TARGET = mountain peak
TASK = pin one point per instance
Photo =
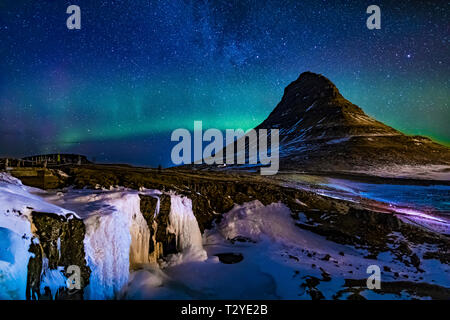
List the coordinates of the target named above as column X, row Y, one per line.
column 319, row 128
column 314, row 85
column 312, row 95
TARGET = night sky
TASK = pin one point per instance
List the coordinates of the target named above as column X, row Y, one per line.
column 137, row 70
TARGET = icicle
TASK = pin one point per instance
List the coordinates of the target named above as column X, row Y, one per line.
column 116, row 239
column 185, row 227
column 158, row 203
column 53, row 279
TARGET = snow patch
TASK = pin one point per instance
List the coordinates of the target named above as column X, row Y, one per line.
column 16, row 206
column 334, row 141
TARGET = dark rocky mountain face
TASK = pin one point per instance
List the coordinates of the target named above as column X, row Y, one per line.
column 321, row 130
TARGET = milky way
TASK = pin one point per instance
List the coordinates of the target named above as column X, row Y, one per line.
column 137, row 70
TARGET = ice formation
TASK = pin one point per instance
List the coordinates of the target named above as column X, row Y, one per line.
column 53, row 279
column 16, row 205
column 117, row 237
column 185, row 227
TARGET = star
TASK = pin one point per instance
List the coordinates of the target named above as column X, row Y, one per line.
column 137, row 70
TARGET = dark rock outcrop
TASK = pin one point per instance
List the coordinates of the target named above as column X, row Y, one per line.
column 59, row 240
column 230, row 258
column 162, row 242
column 399, row 288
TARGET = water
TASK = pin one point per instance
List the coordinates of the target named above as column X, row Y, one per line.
column 428, row 206
column 434, row 198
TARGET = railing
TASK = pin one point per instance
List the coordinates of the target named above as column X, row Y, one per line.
column 17, row 163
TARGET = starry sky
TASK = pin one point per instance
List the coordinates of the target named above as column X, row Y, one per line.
column 137, row 70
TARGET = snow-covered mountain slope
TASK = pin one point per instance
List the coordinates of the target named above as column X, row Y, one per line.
column 320, row 130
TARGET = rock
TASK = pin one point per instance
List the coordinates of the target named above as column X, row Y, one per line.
column 326, row 257
column 162, row 242
column 293, row 257
column 61, row 241
column 356, row 296
column 241, row 239
column 310, row 286
column 230, row 258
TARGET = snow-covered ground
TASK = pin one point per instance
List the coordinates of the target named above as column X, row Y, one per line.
column 116, row 241
column 280, row 260
column 16, row 205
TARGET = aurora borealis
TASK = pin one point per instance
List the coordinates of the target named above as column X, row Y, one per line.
column 137, row 70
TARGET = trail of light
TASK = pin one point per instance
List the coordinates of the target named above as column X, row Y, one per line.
column 419, row 214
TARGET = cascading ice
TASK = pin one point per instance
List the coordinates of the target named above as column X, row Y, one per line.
column 184, row 225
